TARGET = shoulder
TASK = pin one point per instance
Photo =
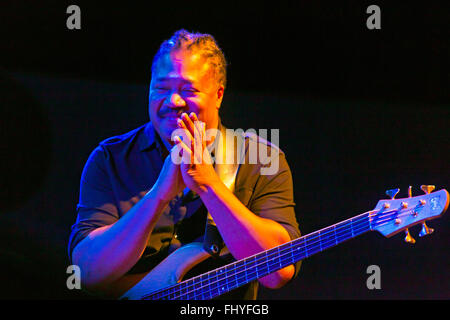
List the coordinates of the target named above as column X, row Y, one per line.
column 266, row 156
column 252, row 139
column 119, row 145
column 259, row 139
column 262, row 160
column 122, row 139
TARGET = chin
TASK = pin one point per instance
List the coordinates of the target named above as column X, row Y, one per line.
column 165, row 130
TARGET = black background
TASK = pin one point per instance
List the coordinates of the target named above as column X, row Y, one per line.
column 359, row 111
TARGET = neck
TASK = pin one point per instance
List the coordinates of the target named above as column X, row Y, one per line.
column 168, row 144
column 234, row 275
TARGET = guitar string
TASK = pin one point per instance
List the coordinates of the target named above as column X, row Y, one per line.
column 241, row 274
column 283, row 258
column 310, row 246
column 310, row 236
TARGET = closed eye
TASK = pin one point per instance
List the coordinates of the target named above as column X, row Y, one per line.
column 190, row 89
column 189, row 92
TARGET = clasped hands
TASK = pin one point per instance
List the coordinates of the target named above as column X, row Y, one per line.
column 189, row 163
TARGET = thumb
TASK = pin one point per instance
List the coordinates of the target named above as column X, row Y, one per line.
column 176, row 153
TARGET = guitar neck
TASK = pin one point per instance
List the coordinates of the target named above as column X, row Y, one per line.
column 224, row 279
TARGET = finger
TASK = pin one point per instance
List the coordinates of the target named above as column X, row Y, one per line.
column 182, row 125
column 197, row 124
column 202, row 129
column 199, row 129
column 193, row 117
column 199, row 144
column 188, row 123
column 186, row 151
column 206, row 153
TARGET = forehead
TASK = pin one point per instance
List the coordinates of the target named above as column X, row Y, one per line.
column 181, row 64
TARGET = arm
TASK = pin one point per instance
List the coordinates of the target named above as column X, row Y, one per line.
column 244, row 232
column 108, row 252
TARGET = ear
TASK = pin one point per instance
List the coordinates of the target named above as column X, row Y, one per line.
column 219, row 95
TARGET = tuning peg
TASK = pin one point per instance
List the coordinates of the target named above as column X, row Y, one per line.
column 425, row 230
column 427, row 188
column 408, row 237
column 392, row 193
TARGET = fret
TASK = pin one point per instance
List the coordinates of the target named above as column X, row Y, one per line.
column 292, row 254
column 199, row 284
column 279, row 260
column 304, row 247
column 227, row 285
column 329, row 241
column 183, row 289
column 242, row 276
column 214, row 292
column 311, row 245
column 245, row 271
column 263, row 267
column 206, row 289
column 171, row 296
column 252, row 270
column 256, row 269
column 320, row 242
column 223, row 285
column 364, row 226
column 344, row 232
column 351, row 227
column 233, row 280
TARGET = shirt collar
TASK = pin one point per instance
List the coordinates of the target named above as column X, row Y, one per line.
column 148, row 138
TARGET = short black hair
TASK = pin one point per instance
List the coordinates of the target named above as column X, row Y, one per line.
column 203, row 43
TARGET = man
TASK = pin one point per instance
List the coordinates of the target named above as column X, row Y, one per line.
column 137, row 205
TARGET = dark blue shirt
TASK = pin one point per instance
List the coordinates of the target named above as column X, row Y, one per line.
column 122, row 169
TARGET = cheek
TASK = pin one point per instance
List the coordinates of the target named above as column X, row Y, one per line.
column 194, row 106
column 154, row 105
column 207, row 110
column 199, row 105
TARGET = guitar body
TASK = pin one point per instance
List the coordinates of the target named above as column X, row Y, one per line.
column 170, row 271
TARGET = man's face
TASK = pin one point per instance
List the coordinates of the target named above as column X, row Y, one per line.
column 183, row 81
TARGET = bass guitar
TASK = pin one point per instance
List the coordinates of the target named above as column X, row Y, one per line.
column 389, row 217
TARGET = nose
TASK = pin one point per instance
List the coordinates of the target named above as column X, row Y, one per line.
column 176, row 101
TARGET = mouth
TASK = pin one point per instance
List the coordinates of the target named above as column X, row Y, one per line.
column 171, row 116
column 171, row 120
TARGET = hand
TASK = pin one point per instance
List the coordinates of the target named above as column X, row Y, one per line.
column 170, row 181
column 198, row 173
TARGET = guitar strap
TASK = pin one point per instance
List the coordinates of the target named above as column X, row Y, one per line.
column 226, row 165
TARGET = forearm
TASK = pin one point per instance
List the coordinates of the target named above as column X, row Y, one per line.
column 245, row 233
column 107, row 253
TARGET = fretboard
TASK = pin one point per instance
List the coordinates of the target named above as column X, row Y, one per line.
column 224, row 279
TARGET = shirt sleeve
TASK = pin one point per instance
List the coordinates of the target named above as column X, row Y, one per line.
column 273, row 199
column 96, row 206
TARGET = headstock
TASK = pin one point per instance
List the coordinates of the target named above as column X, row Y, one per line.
column 395, row 215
